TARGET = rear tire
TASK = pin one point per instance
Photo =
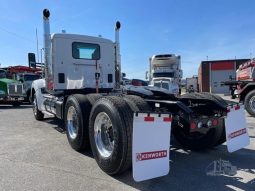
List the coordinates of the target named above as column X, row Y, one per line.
column 137, row 103
column 195, row 141
column 37, row 113
column 222, row 137
column 249, row 103
column 209, row 96
column 219, row 136
column 216, row 98
column 225, row 103
column 77, row 113
column 16, row 104
column 110, row 133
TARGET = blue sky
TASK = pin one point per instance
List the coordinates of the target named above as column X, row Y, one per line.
column 194, row 29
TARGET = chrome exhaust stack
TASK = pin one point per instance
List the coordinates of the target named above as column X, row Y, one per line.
column 118, row 74
column 47, row 50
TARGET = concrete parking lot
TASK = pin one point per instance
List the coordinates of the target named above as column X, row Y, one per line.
column 36, row 156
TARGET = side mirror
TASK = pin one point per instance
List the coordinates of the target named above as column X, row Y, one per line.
column 123, row 75
column 31, row 60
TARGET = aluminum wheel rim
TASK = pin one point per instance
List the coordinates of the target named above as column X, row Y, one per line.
column 103, row 134
column 72, row 122
column 252, row 103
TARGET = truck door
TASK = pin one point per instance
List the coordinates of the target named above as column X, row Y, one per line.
column 217, row 81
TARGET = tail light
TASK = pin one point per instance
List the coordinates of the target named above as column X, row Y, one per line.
column 193, row 125
column 215, row 122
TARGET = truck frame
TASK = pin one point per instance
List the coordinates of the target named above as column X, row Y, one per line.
column 82, row 86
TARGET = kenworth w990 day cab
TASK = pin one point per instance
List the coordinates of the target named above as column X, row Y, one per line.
column 124, row 126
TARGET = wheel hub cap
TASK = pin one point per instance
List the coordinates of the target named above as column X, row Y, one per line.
column 103, row 134
column 72, row 122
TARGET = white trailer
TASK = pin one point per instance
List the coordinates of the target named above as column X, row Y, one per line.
column 124, row 126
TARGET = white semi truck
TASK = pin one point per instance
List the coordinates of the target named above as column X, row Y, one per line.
column 123, row 126
column 165, row 72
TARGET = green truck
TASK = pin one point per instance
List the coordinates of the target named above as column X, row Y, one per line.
column 11, row 91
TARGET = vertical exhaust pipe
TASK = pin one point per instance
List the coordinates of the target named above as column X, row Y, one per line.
column 47, row 50
column 118, row 75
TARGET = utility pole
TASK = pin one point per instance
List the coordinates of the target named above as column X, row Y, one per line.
column 37, row 46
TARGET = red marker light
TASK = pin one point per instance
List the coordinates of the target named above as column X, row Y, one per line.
column 215, row 122
column 193, row 125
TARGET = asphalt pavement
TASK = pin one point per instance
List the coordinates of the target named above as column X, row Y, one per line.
column 35, row 155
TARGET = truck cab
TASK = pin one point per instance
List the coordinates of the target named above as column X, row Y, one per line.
column 11, row 92
column 82, row 86
column 2, row 73
column 27, row 79
column 166, row 83
column 165, row 72
column 76, row 61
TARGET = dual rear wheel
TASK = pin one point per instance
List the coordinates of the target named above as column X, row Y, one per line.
column 197, row 141
column 105, row 124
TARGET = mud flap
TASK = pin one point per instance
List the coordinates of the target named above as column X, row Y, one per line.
column 236, row 128
column 151, row 142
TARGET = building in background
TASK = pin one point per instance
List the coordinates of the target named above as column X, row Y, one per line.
column 212, row 74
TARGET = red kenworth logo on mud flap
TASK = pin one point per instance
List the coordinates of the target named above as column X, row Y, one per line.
column 151, row 155
column 237, row 133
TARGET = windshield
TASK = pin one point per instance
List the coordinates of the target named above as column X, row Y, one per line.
column 164, row 85
column 164, row 74
column 31, row 77
column 2, row 74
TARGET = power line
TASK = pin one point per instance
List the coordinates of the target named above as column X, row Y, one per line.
column 17, row 35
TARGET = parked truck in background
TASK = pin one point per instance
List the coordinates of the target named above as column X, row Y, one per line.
column 192, row 84
column 244, row 86
column 82, row 86
column 165, row 72
column 26, row 79
column 22, row 75
column 11, row 91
